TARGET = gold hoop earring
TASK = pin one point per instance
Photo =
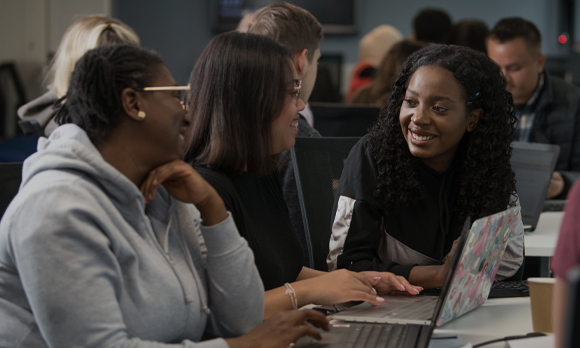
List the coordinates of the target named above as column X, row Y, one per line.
column 141, row 114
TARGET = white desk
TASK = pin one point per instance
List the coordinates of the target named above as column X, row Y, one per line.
column 496, row 318
column 542, row 242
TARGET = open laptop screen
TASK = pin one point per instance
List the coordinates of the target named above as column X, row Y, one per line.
column 533, row 165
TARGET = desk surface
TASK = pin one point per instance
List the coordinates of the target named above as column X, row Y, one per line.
column 496, row 318
column 542, row 242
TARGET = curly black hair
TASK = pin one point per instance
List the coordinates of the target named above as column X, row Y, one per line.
column 486, row 179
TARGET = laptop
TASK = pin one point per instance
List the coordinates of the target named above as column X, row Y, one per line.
column 533, row 164
column 467, row 284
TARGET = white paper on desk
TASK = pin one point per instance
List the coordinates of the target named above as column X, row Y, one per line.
column 534, row 342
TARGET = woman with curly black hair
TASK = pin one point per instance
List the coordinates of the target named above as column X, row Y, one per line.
column 439, row 152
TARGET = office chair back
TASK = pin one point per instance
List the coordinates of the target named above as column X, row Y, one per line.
column 318, row 165
column 12, row 96
column 10, row 179
column 343, row 120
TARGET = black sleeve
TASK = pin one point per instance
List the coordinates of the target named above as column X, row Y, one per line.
column 357, row 216
column 224, row 187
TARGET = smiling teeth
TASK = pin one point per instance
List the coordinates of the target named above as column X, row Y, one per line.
column 181, row 137
column 418, row 137
column 294, row 124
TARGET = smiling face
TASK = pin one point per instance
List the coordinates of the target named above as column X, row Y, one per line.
column 285, row 127
column 434, row 116
column 165, row 124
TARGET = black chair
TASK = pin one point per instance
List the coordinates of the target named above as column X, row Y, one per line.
column 318, row 165
column 12, row 96
column 10, row 179
column 343, row 120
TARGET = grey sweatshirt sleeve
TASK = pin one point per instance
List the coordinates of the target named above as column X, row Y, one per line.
column 70, row 274
column 236, row 292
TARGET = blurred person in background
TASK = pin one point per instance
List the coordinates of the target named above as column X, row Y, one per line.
column 372, row 49
column 247, row 18
column 379, row 91
column 431, row 25
column 470, row 33
column 547, row 108
column 84, row 34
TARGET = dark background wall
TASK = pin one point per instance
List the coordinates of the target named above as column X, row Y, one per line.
column 180, row 29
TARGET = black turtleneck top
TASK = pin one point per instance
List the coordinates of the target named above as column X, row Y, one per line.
column 261, row 216
column 365, row 237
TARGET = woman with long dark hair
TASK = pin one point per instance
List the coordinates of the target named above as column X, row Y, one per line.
column 439, row 152
column 244, row 111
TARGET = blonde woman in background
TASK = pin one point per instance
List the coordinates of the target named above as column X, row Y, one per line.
column 84, row 34
column 379, row 90
column 371, row 50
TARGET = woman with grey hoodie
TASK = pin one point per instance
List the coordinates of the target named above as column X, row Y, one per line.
column 84, row 34
column 114, row 241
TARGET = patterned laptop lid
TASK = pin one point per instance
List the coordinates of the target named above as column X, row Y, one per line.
column 479, row 264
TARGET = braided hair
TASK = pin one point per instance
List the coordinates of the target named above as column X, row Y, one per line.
column 93, row 100
column 486, row 178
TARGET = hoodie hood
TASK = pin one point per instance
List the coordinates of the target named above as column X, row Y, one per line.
column 42, row 110
column 69, row 149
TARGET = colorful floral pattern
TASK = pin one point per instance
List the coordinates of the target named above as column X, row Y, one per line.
column 479, row 264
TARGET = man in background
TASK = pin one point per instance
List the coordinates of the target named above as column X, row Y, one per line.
column 547, row 107
column 300, row 32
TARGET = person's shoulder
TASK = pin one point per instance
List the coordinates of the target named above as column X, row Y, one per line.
column 360, row 158
column 218, row 179
column 210, row 174
column 305, row 129
column 562, row 91
column 363, row 146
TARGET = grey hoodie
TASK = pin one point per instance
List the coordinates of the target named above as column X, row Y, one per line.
column 85, row 263
column 42, row 110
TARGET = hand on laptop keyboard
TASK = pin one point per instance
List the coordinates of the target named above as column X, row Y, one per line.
column 283, row 329
column 387, row 283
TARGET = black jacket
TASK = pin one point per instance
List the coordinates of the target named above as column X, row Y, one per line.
column 365, row 237
column 557, row 121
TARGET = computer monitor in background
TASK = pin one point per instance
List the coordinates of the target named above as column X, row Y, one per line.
column 533, row 164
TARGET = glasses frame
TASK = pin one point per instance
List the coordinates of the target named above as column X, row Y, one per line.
column 296, row 94
column 184, row 100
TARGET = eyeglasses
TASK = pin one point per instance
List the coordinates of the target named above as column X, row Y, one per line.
column 297, row 86
column 183, row 95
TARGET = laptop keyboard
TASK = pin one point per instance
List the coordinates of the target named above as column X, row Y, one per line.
column 423, row 310
column 384, row 336
column 517, row 288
